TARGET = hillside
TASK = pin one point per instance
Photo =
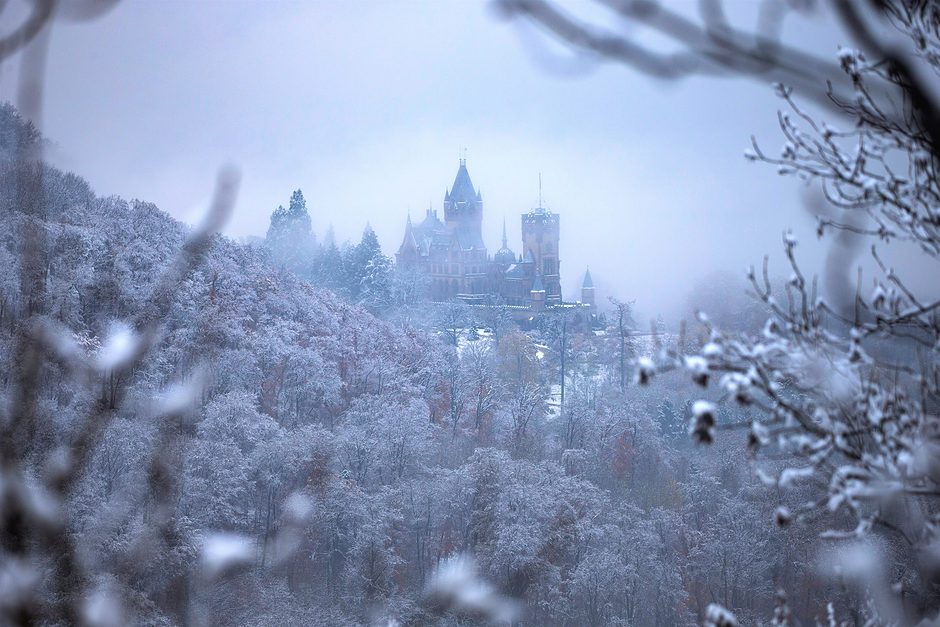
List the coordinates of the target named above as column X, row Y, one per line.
column 319, row 464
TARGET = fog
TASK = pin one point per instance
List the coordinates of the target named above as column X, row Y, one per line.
column 367, row 107
column 261, row 429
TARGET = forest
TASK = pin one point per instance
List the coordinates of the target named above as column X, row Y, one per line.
column 205, row 431
column 352, row 455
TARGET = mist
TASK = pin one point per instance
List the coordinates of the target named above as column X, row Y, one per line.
column 517, row 312
column 368, row 107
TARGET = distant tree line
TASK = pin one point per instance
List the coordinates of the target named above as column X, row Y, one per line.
column 277, row 454
column 361, row 273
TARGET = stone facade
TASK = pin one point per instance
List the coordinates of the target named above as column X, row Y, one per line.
column 454, row 256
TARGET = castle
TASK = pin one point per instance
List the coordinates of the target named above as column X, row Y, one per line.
column 453, row 255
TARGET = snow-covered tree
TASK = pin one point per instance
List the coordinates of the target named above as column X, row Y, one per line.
column 843, row 381
column 290, row 236
column 364, row 262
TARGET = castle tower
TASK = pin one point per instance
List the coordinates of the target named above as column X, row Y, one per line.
column 537, row 293
column 587, row 290
column 463, row 206
column 408, row 251
column 540, row 235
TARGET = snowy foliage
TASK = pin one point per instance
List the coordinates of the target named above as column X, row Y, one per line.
column 266, row 452
column 290, row 236
column 193, row 435
column 846, row 388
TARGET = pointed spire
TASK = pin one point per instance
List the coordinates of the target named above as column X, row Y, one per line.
column 462, row 190
column 537, row 285
column 588, row 282
column 408, row 243
column 504, row 255
column 540, row 190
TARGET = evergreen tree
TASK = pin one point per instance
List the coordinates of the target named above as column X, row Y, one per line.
column 328, row 270
column 375, row 287
column 290, row 237
column 368, row 247
column 360, row 261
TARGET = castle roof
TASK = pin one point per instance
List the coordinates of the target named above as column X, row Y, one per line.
column 430, row 223
column 504, row 256
column 462, row 190
column 409, row 242
column 441, row 239
column 587, row 279
column 469, row 238
column 537, row 285
column 515, row 271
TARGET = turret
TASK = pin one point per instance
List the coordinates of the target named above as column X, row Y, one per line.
column 504, row 256
column 537, row 293
column 463, row 205
column 408, row 251
column 540, row 235
column 587, row 290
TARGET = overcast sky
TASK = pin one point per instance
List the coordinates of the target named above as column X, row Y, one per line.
column 366, row 107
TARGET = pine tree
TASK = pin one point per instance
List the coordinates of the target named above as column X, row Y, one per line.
column 290, row 237
column 375, row 287
column 328, row 270
column 357, row 260
column 369, row 247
